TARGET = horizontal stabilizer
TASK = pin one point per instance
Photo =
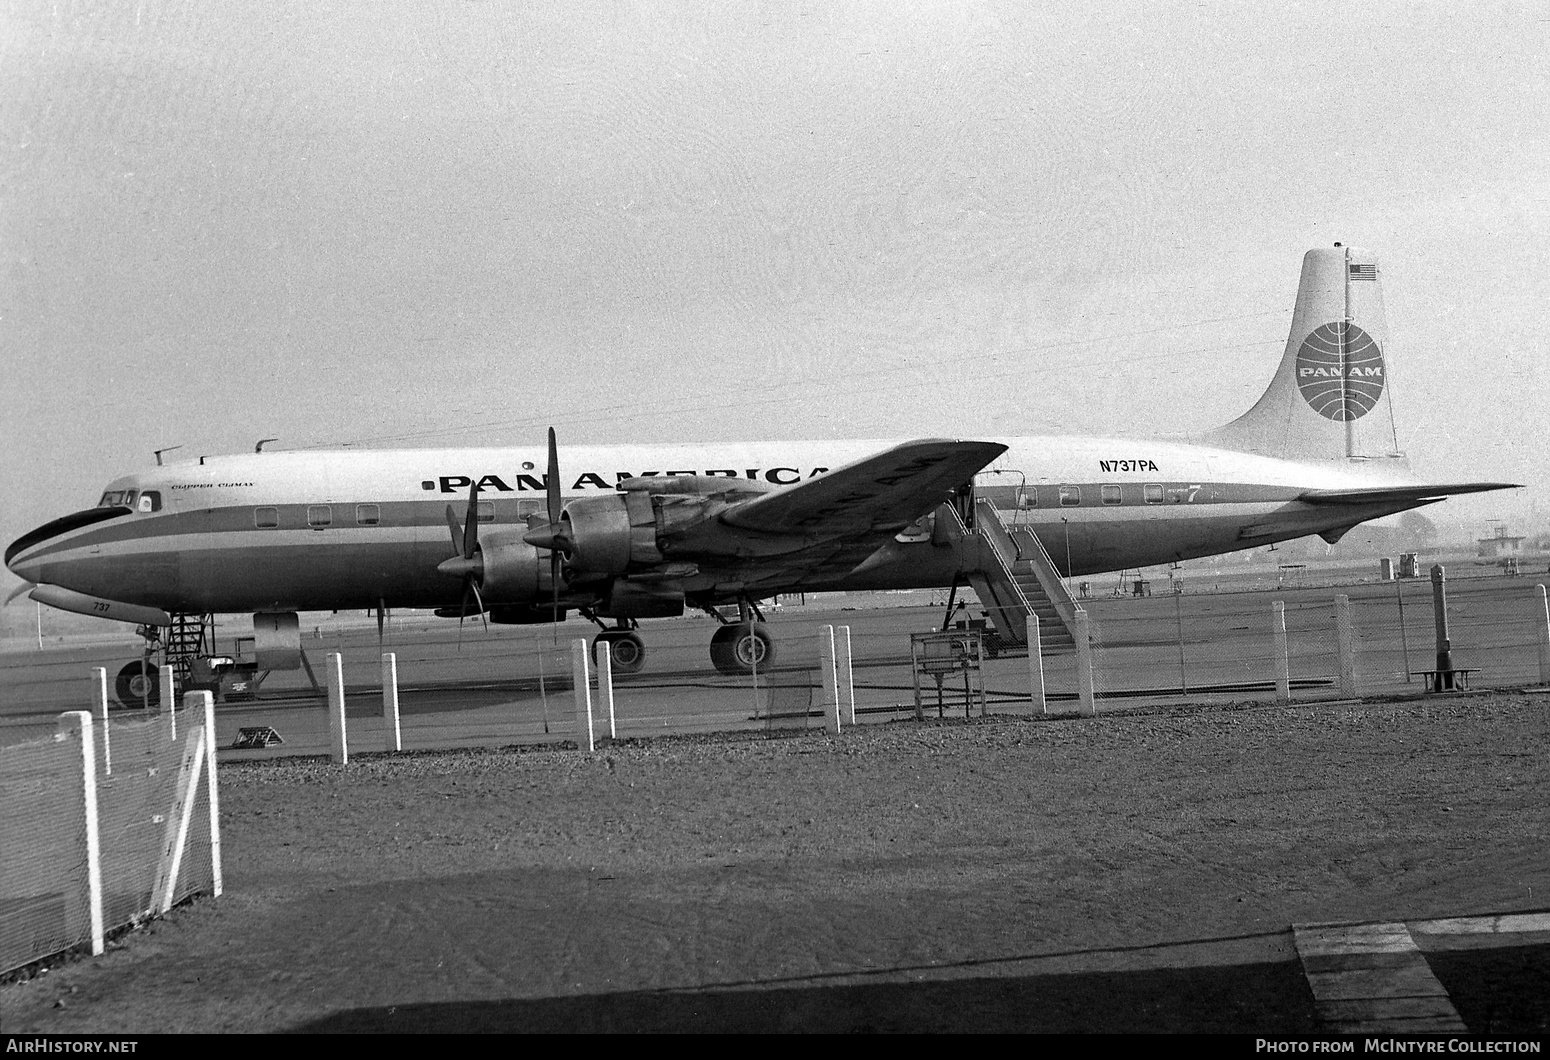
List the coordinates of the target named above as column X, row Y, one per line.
column 1386, row 494
column 887, row 491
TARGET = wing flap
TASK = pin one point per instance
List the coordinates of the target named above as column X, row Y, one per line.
column 886, row 491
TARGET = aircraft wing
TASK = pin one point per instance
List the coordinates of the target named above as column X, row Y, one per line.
column 1388, row 494
column 881, row 493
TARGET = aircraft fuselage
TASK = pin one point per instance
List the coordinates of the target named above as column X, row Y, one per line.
column 352, row 529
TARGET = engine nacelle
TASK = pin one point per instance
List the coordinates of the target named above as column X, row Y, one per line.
column 608, row 534
column 513, row 571
column 525, row 615
column 633, row 600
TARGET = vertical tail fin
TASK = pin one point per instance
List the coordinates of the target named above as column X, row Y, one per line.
column 1330, row 398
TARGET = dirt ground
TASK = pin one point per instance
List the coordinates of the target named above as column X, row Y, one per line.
column 1003, row 874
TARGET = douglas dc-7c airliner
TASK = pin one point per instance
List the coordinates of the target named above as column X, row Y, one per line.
column 644, row 531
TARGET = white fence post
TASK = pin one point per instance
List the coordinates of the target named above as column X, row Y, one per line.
column 831, row 699
column 1282, row 652
column 583, row 687
column 169, row 702
column 179, row 817
column 1036, row 665
column 394, row 734
column 204, row 703
column 845, row 673
column 79, row 721
column 1345, row 636
column 1542, row 621
column 1087, row 706
column 100, row 676
column 605, row 684
column 339, row 744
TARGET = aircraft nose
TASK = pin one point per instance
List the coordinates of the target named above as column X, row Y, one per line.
column 27, row 555
column 21, row 558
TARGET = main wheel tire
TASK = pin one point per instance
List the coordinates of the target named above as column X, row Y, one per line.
column 742, row 649
column 627, row 652
column 137, row 686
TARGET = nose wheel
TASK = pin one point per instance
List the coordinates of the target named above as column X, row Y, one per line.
column 742, row 648
column 137, row 686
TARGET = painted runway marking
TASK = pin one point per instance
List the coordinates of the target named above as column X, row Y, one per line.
column 1372, row 978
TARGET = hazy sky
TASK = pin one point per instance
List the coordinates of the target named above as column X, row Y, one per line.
column 446, row 223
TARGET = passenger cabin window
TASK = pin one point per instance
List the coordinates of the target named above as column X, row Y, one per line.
column 1070, row 496
column 319, row 516
column 1028, row 497
column 527, row 508
column 1110, row 494
column 367, row 515
column 487, row 511
column 1153, row 492
column 266, row 518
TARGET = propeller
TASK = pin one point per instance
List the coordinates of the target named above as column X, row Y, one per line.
column 552, row 489
column 467, row 562
column 552, row 536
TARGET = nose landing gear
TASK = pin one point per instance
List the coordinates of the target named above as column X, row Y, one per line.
column 137, row 686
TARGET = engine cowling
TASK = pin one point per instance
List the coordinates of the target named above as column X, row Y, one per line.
column 608, row 534
column 512, row 569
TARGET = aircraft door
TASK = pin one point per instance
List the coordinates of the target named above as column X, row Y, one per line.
column 963, row 500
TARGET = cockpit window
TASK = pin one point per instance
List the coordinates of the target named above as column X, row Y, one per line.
column 118, row 499
column 150, row 501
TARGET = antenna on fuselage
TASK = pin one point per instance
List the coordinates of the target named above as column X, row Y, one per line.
column 259, row 448
column 169, row 449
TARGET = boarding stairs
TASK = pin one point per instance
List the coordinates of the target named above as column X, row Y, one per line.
column 185, row 642
column 1013, row 576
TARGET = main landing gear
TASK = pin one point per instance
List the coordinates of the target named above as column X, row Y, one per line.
column 626, row 651
column 743, row 647
column 736, row 648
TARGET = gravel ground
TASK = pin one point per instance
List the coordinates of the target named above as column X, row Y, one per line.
column 1001, row 874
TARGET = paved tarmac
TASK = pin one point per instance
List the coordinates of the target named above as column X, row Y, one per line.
column 513, row 684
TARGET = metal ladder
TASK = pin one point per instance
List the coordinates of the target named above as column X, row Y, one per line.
column 186, row 641
column 1013, row 576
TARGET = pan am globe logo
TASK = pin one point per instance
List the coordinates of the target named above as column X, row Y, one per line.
column 1340, row 371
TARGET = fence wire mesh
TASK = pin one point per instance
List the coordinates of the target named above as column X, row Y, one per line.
column 514, row 684
column 44, row 898
column 137, row 765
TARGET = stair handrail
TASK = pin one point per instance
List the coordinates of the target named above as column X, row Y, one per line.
column 1007, row 622
column 1038, row 558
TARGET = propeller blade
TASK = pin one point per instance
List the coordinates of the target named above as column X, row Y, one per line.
column 552, row 481
column 473, row 587
column 457, row 530
column 554, row 587
column 463, row 612
column 471, row 527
